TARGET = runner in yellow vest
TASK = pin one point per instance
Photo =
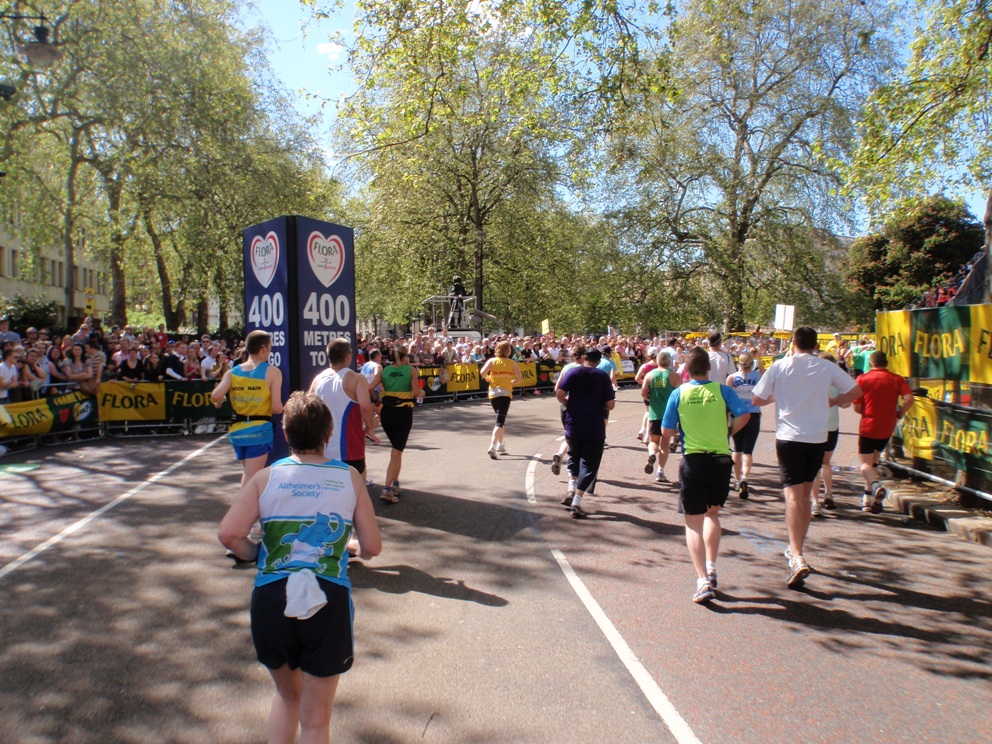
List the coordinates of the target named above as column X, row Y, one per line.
column 256, row 394
column 502, row 373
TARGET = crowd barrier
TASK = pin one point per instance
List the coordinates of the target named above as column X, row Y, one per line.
column 122, row 405
column 947, row 440
column 186, row 405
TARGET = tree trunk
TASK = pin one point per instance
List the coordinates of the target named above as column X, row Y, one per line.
column 202, row 316
column 988, row 247
column 733, row 286
column 163, row 273
column 118, row 301
column 69, row 228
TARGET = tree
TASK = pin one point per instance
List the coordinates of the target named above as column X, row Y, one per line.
column 932, row 124
column 468, row 111
column 922, row 244
column 159, row 134
column 767, row 93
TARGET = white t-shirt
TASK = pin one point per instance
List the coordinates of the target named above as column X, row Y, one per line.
column 800, row 387
column 721, row 366
column 8, row 373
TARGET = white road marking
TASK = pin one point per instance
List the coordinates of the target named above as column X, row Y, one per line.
column 76, row 526
column 529, row 482
column 659, row 701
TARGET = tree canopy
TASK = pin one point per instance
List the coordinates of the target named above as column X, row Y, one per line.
column 921, row 246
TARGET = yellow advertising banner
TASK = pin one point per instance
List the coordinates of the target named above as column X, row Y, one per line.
column 125, row 401
column 919, row 427
column 545, row 327
column 980, row 349
column 463, row 378
column 529, row 371
column 27, row 418
column 894, row 338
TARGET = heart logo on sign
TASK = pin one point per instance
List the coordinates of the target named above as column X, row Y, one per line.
column 265, row 257
column 326, row 257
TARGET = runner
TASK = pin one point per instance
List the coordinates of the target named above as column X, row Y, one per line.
column 301, row 610
column 400, row 387
column 372, row 371
column 642, row 372
column 880, row 410
column 502, row 373
column 742, row 444
column 346, row 394
column 585, row 392
column 256, row 394
column 578, row 355
column 656, row 389
column 799, row 385
column 826, row 473
column 700, row 408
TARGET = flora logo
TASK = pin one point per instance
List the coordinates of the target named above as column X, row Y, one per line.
column 326, row 257
column 265, row 257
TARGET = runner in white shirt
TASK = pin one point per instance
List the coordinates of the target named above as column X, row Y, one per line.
column 799, row 387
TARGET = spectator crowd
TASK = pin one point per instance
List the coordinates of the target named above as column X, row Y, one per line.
column 36, row 362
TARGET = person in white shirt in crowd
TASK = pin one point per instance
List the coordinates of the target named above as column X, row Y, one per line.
column 721, row 363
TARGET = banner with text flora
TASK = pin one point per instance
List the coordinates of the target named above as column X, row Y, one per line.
column 943, row 343
column 171, row 402
column 952, row 439
column 60, row 413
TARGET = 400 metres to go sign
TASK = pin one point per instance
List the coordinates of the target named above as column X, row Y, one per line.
column 327, row 310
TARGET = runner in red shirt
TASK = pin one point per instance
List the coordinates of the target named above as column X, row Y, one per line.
column 880, row 409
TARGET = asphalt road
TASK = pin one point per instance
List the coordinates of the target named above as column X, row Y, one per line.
column 491, row 616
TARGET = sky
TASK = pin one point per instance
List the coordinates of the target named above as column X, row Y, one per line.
column 303, row 57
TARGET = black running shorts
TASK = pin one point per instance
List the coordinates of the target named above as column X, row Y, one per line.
column 832, row 437
column 397, row 422
column 322, row 645
column 744, row 440
column 705, row 482
column 798, row 462
column 869, row 446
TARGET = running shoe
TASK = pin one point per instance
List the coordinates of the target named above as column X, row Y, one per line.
column 815, row 510
column 742, row 487
column 673, row 446
column 491, row 452
column 828, row 502
column 389, row 496
column 640, row 436
column 800, row 570
column 711, row 577
column 660, row 477
column 501, row 448
column 879, row 497
column 704, row 593
column 650, row 464
column 368, row 481
column 396, row 488
column 556, row 464
column 865, row 502
column 578, row 512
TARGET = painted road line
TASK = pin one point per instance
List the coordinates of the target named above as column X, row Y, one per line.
column 76, row 526
column 659, row 701
column 529, row 482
